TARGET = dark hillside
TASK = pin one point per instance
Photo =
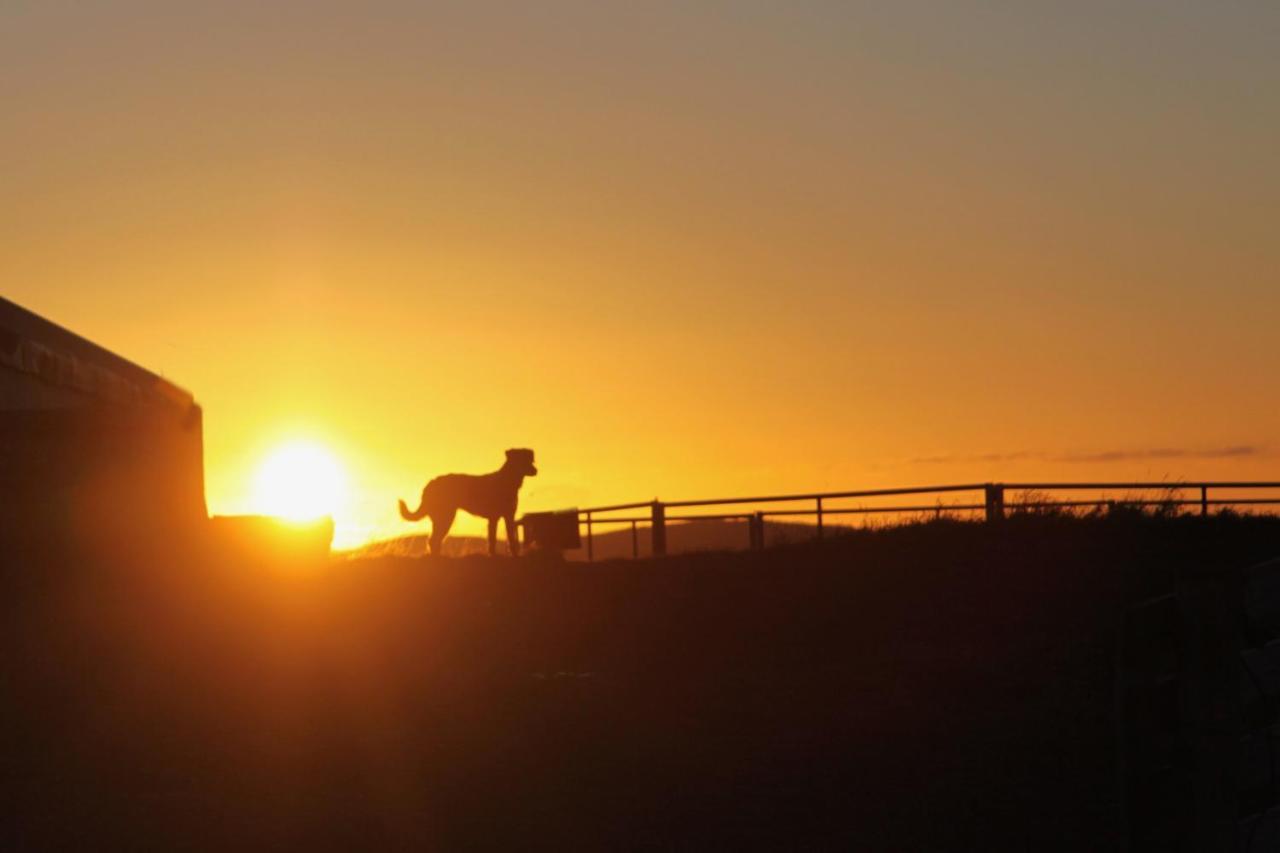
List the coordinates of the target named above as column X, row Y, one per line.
column 944, row 686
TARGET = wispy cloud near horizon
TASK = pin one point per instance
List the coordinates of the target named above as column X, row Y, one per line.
column 1235, row 451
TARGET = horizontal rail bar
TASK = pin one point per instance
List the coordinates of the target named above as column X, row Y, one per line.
column 808, row 496
column 967, row 487
column 866, row 493
column 1209, row 484
column 646, row 519
column 1013, row 505
column 874, row 509
column 582, row 519
column 1122, row 502
column 1008, row 506
column 1229, row 502
column 617, row 507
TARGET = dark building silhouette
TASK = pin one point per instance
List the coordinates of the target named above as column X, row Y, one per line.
column 89, row 442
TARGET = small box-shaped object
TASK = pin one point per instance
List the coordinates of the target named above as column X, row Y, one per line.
column 552, row 531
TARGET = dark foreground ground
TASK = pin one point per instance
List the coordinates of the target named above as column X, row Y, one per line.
column 940, row 687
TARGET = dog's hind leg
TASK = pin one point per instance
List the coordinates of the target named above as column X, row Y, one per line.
column 440, row 524
column 493, row 537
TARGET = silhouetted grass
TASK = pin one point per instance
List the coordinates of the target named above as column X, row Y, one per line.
column 933, row 686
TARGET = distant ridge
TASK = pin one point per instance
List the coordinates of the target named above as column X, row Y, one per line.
column 611, row 541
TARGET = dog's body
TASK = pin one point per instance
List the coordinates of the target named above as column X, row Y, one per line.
column 489, row 496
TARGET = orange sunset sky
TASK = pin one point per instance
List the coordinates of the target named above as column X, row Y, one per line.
column 679, row 249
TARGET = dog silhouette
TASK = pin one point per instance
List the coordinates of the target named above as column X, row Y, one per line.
column 489, row 496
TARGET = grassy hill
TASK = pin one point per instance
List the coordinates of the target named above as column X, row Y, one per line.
column 943, row 686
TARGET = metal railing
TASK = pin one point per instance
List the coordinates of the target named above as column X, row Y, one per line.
column 988, row 500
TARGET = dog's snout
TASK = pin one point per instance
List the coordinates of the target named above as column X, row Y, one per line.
column 533, row 471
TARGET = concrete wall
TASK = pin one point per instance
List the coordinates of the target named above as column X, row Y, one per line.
column 94, row 469
column 89, row 442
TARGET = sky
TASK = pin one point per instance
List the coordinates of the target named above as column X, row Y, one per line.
column 681, row 250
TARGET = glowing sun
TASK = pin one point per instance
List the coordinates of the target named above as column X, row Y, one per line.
column 299, row 481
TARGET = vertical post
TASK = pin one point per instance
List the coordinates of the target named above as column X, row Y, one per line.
column 755, row 525
column 659, row 529
column 819, row 518
column 1204, row 500
column 635, row 541
column 995, row 502
column 591, row 555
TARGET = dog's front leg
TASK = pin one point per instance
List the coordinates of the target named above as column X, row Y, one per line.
column 493, row 537
column 513, row 535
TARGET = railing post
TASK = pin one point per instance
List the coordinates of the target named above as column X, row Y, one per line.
column 995, row 502
column 819, row 518
column 590, row 541
column 635, row 541
column 755, row 530
column 659, row 529
column 1204, row 500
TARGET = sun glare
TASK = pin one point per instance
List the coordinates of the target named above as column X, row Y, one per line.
column 299, row 482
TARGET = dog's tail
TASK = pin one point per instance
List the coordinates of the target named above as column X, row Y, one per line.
column 417, row 514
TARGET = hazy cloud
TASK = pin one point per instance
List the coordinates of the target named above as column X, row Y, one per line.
column 1229, row 452
column 1163, row 453
column 981, row 457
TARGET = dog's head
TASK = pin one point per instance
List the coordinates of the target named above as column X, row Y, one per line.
column 521, row 460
